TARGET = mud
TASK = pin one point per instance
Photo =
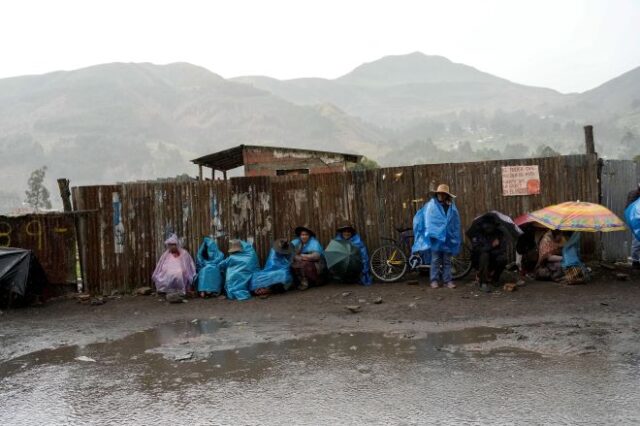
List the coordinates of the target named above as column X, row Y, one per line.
column 543, row 354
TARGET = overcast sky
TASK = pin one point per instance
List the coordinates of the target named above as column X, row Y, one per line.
column 563, row 44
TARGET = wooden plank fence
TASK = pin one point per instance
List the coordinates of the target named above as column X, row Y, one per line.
column 263, row 208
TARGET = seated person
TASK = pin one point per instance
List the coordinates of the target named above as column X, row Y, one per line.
column 549, row 258
column 276, row 276
column 348, row 233
column 209, row 279
column 308, row 262
column 238, row 269
column 575, row 272
column 175, row 270
column 527, row 251
column 488, row 254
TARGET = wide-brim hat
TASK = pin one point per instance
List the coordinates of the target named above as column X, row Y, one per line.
column 346, row 227
column 282, row 246
column 444, row 189
column 235, row 246
column 300, row 229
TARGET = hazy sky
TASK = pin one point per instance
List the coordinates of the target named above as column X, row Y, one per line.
column 567, row 45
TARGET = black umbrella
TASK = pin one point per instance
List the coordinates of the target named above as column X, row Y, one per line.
column 20, row 273
column 501, row 220
column 343, row 259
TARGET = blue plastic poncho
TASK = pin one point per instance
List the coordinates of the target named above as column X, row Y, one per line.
column 365, row 276
column 571, row 252
column 435, row 230
column 208, row 260
column 239, row 268
column 277, row 270
column 313, row 245
column 632, row 217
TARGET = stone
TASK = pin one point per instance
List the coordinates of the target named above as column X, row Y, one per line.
column 83, row 297
column 362, row 300
column 84, row 359
column 510, row 287
column 97, row 301
column 144, row 291
column 354, row 309
column 377, row 300
column 174, row 298
column 412, row 282
column 622, row 277
column 412, row 305
column 346, row 294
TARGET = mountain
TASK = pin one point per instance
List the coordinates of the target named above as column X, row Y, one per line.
column 399, row 90
column 124, row 121
column 127, row 121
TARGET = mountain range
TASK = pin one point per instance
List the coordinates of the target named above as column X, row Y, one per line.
column 128, row 121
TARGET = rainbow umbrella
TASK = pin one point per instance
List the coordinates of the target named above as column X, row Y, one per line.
column 578, row 216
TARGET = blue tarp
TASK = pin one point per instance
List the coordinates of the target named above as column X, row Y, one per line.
column 239, row 268
column 632, row 217
column 435, row 230
column 365, row 276
column 571, row 252
column 209, row 278
column 277, row 270
column 313, row 245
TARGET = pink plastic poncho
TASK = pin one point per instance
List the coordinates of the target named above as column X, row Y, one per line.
column 174, row 274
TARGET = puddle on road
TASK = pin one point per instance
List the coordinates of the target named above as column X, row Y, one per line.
column 167, row 350
column 394, row 377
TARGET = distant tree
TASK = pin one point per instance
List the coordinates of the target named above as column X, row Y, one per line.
column 637, row 158
column 37, row 194
column 365, row 164
column 546, row 151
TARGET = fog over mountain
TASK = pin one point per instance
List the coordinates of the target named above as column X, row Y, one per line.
column 127, row 121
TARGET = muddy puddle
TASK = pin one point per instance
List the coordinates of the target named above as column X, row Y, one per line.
column 181, row 373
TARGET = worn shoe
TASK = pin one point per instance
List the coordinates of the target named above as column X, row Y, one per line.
column 304, row 284
column 434, row 284
column 485, row 287
column 451, row 284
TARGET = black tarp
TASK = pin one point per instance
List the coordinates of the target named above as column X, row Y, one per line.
column 21, row 275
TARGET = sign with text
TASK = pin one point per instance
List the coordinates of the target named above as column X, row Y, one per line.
column 520, row 180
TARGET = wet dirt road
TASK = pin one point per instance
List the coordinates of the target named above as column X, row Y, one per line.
column 540, row 355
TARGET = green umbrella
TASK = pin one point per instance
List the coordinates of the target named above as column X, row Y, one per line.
column 343, row 260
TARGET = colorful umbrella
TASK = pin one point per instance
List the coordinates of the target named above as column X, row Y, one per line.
column 578, row 216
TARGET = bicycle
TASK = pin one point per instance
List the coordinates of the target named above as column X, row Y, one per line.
column 391, row 262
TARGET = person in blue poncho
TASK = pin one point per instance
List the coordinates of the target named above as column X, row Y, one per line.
column 632, row 214
column 348, row 233
column 437, row 232
column 276, row 275
column 575, row 272
column 308, row 264
column 238, row 269
column 209, row 278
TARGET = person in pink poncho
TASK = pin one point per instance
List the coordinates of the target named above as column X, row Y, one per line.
column 175, row 270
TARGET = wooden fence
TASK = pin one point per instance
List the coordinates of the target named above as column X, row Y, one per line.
column 125, row 236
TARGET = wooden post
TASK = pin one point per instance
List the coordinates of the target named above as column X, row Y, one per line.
column 200, row 171
column 224, row 174
column 588, row 139
column 213, row 174
column 65, row 194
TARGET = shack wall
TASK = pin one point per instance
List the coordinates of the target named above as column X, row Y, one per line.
column 267, row 161
column 260, row 209
column 51, row 236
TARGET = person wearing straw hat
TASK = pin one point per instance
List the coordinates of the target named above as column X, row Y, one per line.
column 238, row 269
column 442, row 234
column 276, row 276
column 308, row 262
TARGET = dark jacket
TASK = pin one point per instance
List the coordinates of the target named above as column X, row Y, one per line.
column 633, row 196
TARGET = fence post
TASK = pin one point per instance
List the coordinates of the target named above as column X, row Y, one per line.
column 65, row 194
column 588, row 139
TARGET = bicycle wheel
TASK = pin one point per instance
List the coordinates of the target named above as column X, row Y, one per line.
column 461, row 264
column 388, row 263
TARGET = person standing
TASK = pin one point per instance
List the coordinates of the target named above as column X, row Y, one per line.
column 442, row 235
column 633, row 196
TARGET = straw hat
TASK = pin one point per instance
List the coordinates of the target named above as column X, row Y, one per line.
column 300, row 229
column 444, row 189
column 346, row 227
column 282, row 246
column 235, row 246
